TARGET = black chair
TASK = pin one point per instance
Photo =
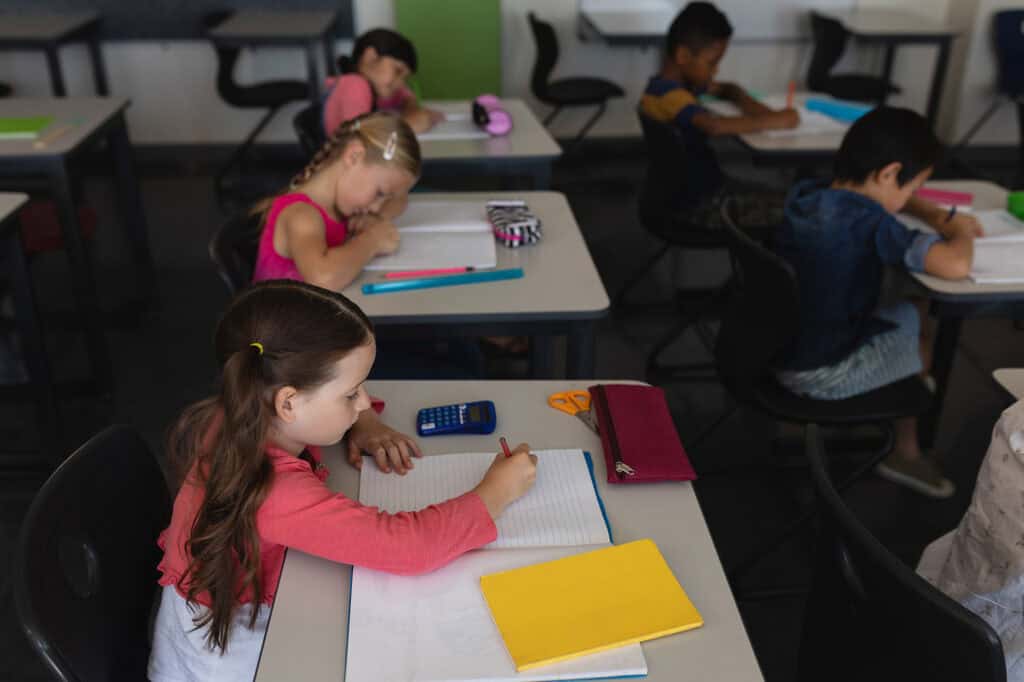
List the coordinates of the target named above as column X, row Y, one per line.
column 760, row 321
column 869, row 616
column 269, row 95
column 565, row 92
column 830, row 38
column 309, row 128
column 659, row 215
column 85, row 574
column 233, row 248
column 5, row 90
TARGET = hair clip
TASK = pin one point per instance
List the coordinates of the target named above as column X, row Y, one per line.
column 391, row 146
column 355, row 124
column 257, row 345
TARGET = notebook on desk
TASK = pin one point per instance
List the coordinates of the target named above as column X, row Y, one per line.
column 22, row 127
column 455, row 126
column 442, row 234
column 999, row 255
column 437, row 626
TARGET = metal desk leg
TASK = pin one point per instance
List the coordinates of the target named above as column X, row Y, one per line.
column 99, row 70
column 311, row 72
column 83, row 279
column 542, row 356
column 938, row 78
column 133, row 217
column 890, row 57
column 942, row 364
column 329, row 57
column 579, row 361
column 56, row 75
column 33, row 345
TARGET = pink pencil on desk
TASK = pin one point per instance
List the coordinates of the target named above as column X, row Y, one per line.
column 946, row 196
column 401, row 274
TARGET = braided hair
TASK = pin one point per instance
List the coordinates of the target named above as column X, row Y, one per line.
column 385, row 136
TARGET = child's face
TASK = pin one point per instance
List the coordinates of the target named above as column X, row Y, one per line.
column 890, row 193
column 322, row 416
column 386, row 74
column 365, row 186
column 698, row 68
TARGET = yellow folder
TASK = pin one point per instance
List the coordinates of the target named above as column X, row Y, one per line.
column 587, row 603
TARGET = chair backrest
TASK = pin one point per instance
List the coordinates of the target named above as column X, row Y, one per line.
column 878, row 610
column 1009, row 41
column 227, row 57
column 663, row 181
column 85, row 574
column 762, row 315
column 830, row 38
column 233, row 249
column 546, row 42
column 309, row 126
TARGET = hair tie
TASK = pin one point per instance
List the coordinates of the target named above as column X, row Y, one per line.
column 391, row 146
column 257, row 345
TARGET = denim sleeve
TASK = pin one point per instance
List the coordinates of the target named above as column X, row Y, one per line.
column 913, row 257
column 893, row 241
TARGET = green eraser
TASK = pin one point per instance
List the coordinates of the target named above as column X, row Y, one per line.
column 1015, row 204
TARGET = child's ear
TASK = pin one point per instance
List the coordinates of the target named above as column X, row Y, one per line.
column 890, row 173
column 284, row 404
column 681, row 55
column 370, row 54
column 354, row 153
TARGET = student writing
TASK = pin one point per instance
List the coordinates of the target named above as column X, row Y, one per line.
column 294, row 358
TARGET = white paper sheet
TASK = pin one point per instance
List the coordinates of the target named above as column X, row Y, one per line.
column 437, row 627
column 455, row 126
column 441, row 234
column 560, row 510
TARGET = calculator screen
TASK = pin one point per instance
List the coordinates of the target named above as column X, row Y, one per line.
column 474, row 413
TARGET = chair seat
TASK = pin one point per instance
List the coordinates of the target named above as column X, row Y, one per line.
column 858, row 87
column 905, row 398
column 580, row 91
column 268, row 94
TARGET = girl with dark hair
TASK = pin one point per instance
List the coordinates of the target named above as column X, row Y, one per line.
column 373, row 79
column 294, row 358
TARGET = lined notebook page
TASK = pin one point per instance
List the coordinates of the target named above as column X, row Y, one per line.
column 560, row 510
column 437, row 627
column 455, row 126
column 441, row 234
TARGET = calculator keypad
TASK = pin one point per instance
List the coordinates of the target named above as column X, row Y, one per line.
column 445, row 418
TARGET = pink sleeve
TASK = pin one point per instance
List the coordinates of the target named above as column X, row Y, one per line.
column 351, row 97
column 301, row 512
column 397, row 101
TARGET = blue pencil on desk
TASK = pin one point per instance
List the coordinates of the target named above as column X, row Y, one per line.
column 446, row 281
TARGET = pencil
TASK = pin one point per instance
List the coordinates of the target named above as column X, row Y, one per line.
column 791, row 91
column 51, row 135
column 504, row 446
column 400, row 274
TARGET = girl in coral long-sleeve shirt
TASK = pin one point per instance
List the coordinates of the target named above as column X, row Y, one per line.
column 294, row 360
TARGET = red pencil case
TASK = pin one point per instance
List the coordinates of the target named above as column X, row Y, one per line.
column 638, row 435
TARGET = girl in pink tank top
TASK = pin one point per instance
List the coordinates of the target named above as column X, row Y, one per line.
column 336, row 215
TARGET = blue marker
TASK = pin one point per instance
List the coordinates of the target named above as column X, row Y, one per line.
column 841, row 111
column 446, row 281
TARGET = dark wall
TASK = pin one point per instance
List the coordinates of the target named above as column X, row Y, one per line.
column 172, row 19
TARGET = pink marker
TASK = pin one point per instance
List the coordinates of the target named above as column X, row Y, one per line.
column 401, row 274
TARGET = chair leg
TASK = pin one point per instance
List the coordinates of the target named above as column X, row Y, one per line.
column 238, row 155
column 586, row 128
column 551, row 117
column 772, row 544
column 708, row 302
column 638, row 276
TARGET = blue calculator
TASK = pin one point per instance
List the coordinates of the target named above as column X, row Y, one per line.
column 476, row 417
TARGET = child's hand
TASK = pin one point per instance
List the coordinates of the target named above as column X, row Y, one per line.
column 384, row 236
column 358, row 223
column 963, row 223
column 508, row 479
column 784, row 118
column 435, row 116
column 390, row 449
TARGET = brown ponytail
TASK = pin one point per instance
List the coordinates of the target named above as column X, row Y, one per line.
column 302, row 330
column 385, row 136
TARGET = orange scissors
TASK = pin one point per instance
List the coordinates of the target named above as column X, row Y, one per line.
column 576, row 403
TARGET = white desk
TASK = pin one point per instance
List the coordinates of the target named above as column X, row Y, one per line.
column 48, row 31
column 769, row 148
column 643, row 23
column 561, row 292
column 529, row 149
column 891, row 28
column 307, row 635
column 90, row 119
column 952, row 301
column 1012, row 380
column 307, row 29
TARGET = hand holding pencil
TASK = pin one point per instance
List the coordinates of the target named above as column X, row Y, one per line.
column 509, row 477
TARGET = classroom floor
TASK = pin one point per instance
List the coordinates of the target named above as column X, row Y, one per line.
column 166, row 362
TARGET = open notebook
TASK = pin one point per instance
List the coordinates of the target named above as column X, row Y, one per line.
column 999, row 255
column 455, row 126
column 811, row 122
column 441, row 234
column 437, row 627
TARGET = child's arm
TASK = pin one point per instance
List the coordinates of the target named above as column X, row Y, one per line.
column 951, row 258
column 747, row 105
column 713, row 124
column 331, row 267
column 391, row 449
column 420, row 119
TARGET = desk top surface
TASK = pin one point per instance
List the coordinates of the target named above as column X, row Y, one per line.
column 307, row 635
column 561, row 281
column 872, row 22
column 74, row 120
column 529, row 138
column 44, row 27
column 265, row 25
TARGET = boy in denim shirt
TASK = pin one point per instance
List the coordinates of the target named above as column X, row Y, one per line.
column 696, row 43
column 839, row 236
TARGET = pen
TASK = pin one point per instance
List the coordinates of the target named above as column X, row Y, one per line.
column 399, row 274
column 952, row 212
column 504, row 446
column 789, row 94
